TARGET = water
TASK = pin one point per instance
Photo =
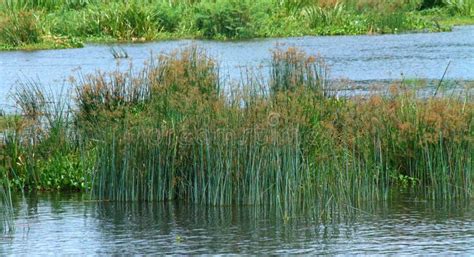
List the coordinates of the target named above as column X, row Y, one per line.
column 357, row 58
column 70, row 224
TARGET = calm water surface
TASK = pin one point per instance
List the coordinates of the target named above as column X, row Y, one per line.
column 70, row 224
column 358, row 58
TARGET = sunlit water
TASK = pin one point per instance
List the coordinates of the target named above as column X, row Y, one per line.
column 70, row 224
column 357, row 58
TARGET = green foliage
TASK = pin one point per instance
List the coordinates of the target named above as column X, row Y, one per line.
column 322, row 17
column 61, row 172
column 38, row 150
column 124, row 21
column 47, row 5
column 65, row 23
column 20, row 28
column 168, row 17
column 460, row 7
column 226, row 19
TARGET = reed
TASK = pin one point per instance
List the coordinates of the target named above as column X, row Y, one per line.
column 174, row 132
column 6, row 207
column 297, row 145
column 39, row 146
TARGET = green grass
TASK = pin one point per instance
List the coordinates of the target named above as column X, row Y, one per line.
column 170, row 132
column 33, row 25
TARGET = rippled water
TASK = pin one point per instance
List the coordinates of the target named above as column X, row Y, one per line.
column 359, row 58
column 69, row 224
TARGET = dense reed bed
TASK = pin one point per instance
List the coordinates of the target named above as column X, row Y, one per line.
column 174, row 132
column 68, row 23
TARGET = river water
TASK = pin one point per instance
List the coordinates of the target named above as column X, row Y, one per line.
column 70, row 224
column 356, row 58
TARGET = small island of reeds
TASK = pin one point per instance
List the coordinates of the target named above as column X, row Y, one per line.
column 174, row 131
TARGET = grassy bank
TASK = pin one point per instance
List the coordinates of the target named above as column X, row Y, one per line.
column 174, row 132
column 26, row 24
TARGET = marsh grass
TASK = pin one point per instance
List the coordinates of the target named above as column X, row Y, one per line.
column 67, row 23
column 19, row 28
column 460, row 7
column 39, row 146
column 186, row 140
column 173, row 132
column 49, row 5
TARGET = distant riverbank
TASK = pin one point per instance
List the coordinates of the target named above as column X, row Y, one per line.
column 30, row 25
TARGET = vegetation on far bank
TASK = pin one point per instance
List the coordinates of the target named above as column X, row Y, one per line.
column 27, row 24
column 174, row 132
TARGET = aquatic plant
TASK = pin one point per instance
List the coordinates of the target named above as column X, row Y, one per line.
column 118, row 53
column 292, row 69
column 295, row 145
column 39, row 146
column 6, row 207
column 173, row 131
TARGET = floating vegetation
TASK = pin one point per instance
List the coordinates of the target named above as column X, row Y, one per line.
column 118, row 53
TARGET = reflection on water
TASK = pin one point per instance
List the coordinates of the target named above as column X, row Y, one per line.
column 71, row 224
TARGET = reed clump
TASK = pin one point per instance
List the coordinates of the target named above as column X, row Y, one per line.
column 173, row 131
column 39, row 146
column 293, row 143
